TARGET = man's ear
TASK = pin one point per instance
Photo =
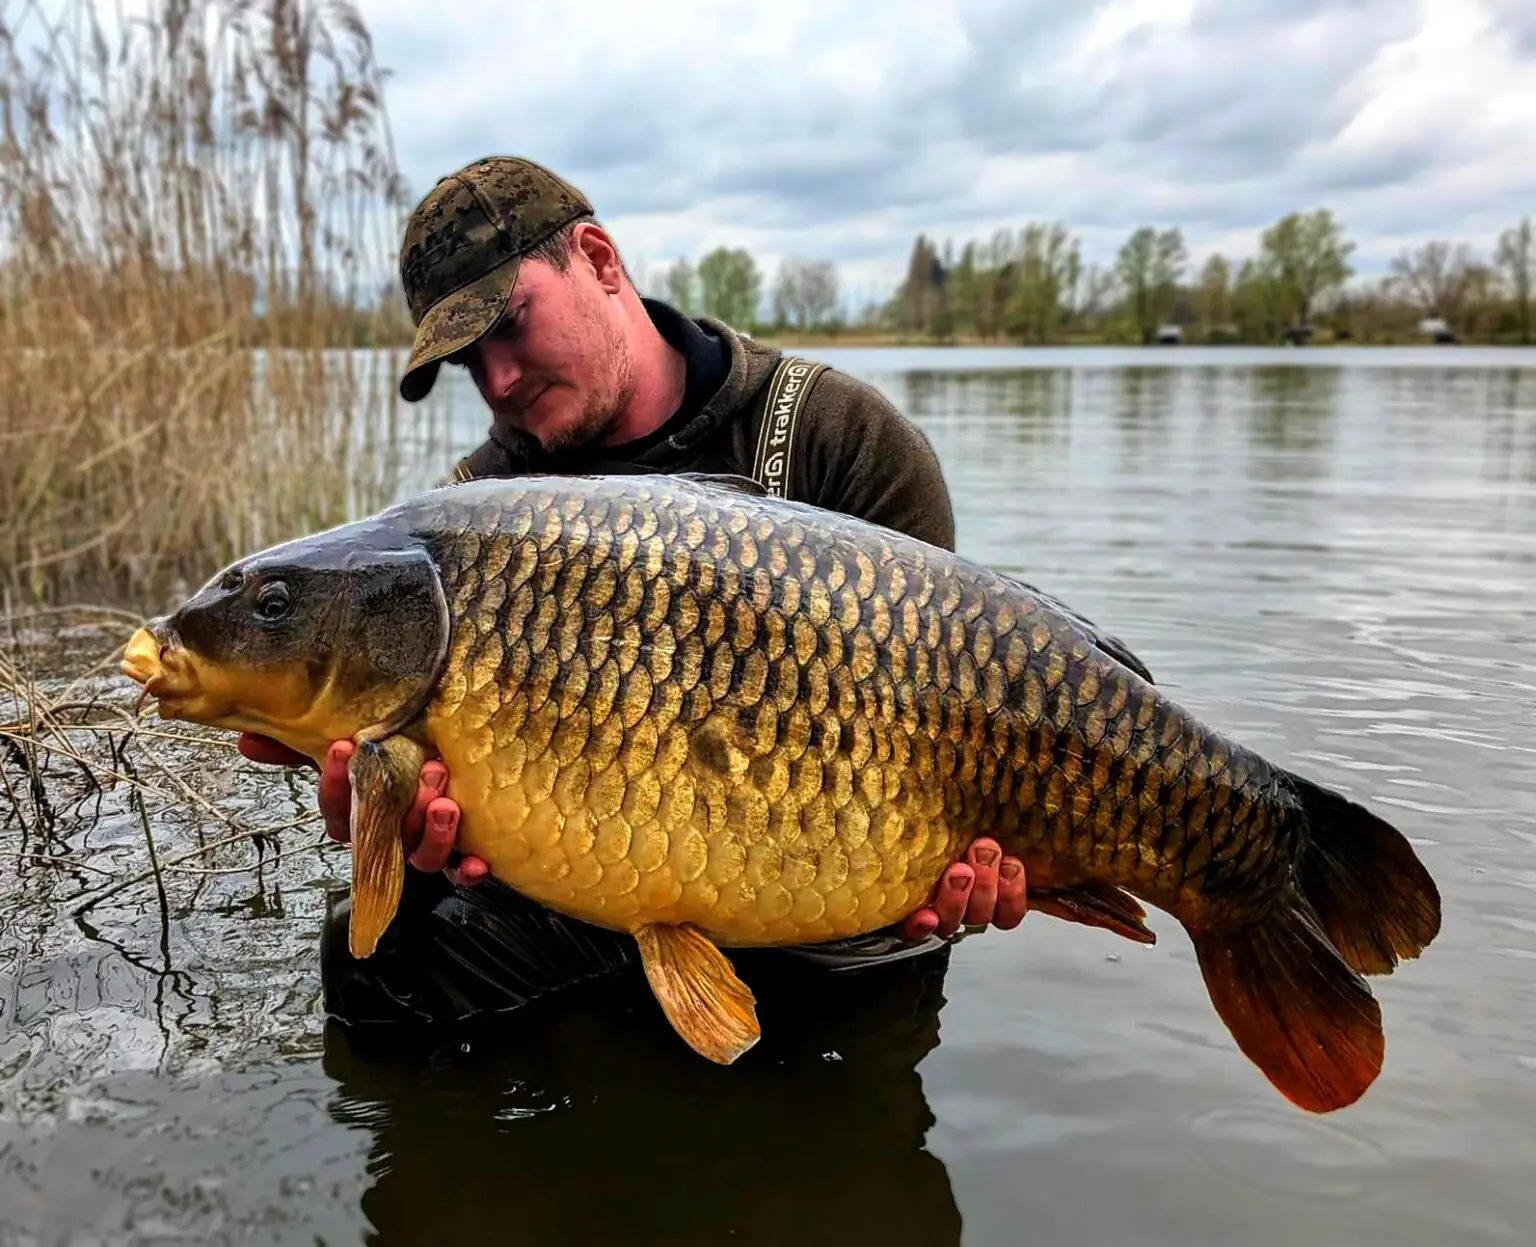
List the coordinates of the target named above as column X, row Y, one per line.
column 593, row 245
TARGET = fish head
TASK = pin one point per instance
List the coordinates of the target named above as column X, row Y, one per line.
column 315, row 640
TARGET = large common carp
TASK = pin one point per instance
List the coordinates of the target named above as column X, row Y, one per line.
column 679, row 708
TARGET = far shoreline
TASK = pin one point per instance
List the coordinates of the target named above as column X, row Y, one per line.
column 864, row 341
column 783, row 341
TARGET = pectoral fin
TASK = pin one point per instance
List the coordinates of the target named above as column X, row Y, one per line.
column 384, row 778
column 712, row 1009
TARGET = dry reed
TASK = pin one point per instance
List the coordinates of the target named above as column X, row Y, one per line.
column 199, row 219
column 199, row 215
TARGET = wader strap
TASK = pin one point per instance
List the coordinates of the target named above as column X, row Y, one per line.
column 787, row 389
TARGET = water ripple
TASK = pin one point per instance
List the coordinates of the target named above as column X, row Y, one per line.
column 1323, row 1160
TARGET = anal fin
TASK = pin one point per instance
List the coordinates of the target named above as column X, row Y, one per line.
column 1095, row 904
column 698, row 990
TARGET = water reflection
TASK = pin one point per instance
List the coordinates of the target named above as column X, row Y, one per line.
column 589, row 1122
column 1510, row 434
column 1143, row 395
column 1294, row 411
column 1042, row 399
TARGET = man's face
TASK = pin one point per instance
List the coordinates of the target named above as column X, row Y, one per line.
column 556, row 365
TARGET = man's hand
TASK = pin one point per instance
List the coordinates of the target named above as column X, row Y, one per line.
column 986, row 889
column 430, row 828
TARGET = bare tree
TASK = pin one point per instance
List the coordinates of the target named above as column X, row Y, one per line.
column 1438, row 278
column 806, row 292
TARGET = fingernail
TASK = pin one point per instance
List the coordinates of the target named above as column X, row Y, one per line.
column 959, row 883
column 985, row 856
column 1009, row 871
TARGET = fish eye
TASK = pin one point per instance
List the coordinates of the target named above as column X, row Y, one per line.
column 272, row 601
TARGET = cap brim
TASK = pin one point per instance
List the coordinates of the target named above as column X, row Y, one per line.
column 456, row 322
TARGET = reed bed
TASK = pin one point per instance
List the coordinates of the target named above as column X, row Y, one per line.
column 199, row 217
column 200, row 213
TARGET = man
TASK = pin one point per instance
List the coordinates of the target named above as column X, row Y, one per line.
column 508, row 274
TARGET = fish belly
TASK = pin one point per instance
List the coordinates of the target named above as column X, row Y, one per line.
column 624, row 825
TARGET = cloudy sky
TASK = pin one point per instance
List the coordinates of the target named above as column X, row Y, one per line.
column 834, row 129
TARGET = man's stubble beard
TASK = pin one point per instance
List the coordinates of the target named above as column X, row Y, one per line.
column 603, row 408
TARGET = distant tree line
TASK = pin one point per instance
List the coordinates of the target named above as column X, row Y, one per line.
column 1031, row 285
column 727, row 284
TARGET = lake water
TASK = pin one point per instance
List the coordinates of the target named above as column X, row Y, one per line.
column 1328, row 554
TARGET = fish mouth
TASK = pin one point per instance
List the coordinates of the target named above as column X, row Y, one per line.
column 154, row 661
column 184, row 689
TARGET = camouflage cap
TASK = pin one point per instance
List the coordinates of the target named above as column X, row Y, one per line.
column 462, row 249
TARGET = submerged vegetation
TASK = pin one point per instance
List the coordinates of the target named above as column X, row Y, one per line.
column 181, row 806
column 199, row 213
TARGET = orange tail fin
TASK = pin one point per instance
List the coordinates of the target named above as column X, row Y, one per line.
column 1295, row 1008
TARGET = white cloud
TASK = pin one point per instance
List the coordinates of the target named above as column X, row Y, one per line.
column 841, row 129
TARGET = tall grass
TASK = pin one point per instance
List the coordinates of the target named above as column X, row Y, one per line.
column 199, row 217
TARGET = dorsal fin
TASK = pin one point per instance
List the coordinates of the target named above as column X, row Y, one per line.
column 1111, row 645
column 726, row 480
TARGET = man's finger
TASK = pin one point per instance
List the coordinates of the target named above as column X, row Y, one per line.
column 983, row 856
column 468, row 872
column 441, row 829
column 920, row 924
column 954, row 892
column 336, row 792
column 434, row 778
column 1012, row 895
column 271, row 752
